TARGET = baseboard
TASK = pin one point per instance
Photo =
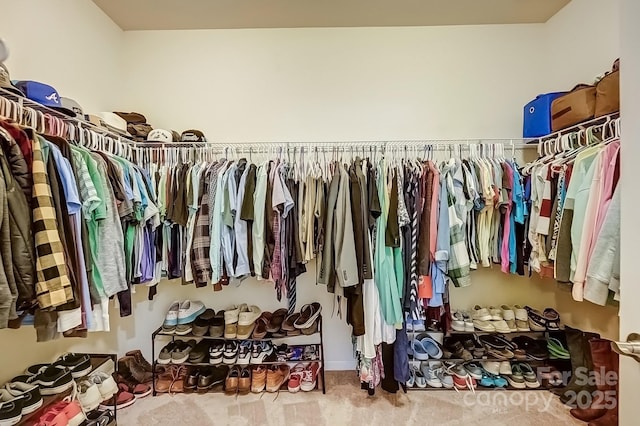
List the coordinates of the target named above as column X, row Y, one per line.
column 340, row 365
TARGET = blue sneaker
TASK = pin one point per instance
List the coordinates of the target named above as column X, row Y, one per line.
column 419, row 351
column 432, row 347
column 189, row 311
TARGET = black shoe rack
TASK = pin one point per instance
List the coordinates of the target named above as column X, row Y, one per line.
column 303, row 340
column 562, row 365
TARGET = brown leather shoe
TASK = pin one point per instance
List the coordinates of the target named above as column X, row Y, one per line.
column 231, row 384
column 128, row 365
column 244, row 383
column 140, row 359
column 258, row 379
column 277, row 375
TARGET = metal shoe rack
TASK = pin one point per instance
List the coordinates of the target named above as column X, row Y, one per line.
column 315, row 339
column 563, row 365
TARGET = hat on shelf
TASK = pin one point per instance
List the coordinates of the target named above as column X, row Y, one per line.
column 44, row 95
column 132, row 117
column 176, row 136
column 160, row 135
column 72, row 105
column 5, row 81
column 192, row 136
column 109, row 121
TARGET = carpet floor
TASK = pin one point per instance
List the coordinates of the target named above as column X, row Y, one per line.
column 345, row 404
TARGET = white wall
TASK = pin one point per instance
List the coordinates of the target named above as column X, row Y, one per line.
column 74, row 47
column 308, row 85
column 630, row 104
column 69, row 44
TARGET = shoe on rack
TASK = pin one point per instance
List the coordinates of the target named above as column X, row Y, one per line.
column 230, row 355
column 418, row 325
column 192, row 378
column 480, row 313
column 516, row 379
column 171, row 318
column 310, row 376
column 189, row 311
column 277, row 318
column 52, row 380
column 288, row 325
column 72, row 412
column 468, row 322
column 79, row 364
column 105, row 383
column 510, row 318
column 30, row 394
column 428, row 370
column 419, row 351
column 431, row 346
column 553, row 319
column 139, row 390
column 556, row 349
column 164, row 357
column 200, row 352
column 89, row 395
column 140, row 359
column 247, row 321
column 263, row 351
column 308, row 315
column 201, row 324
column 258, row 379
column 474, row 369
column 530, row 377
column 459, row 352
column 412, row 377
column 295, row 378
column 180, row 354
column 537, row 321
column 461, row 378
column 483, row 325
column 244, row 352
column 505, row 368
column 216, row 325
column 100, row 418
column 457, row 321
column 231, row 382
column 444, row 376
column 277, row 375
column 522, row 318
column 534, row 349
column 260, row 331
column 244, row 383
column 417, row 376
column 501, row 354
column 10, row 409
column 216, row 352
column 496, row 314
column 496, row 341
column 231, row 316
column 491, row 367
column 501, row 326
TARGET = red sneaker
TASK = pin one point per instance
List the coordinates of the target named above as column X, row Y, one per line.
column 295, row 378
column 310, row 377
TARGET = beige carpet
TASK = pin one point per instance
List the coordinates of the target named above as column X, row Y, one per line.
column 346, row 404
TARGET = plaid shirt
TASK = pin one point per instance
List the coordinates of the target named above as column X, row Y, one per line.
column 459, row 265
column 53, row 287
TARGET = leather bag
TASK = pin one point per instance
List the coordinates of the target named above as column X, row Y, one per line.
column 575, row 107
column 608, row 93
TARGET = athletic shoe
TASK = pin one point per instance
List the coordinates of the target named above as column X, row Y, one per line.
column 230, row 355
column 244, row 353
column 31, row 394
column 516, row 379
column 496, row 314
column 522, row 318
column 52, row 380
column 79, row 364
column 530, row 377
column 481, row 314
column 171, row 318
column 483, row 325
column 457, row 323
column 295, row 378
column 505, row 368
column 310, row 377
column 429, row 371
column 106, row 385
column 492, row 367
column 510, row 317
column 189, row 311
column 89, row 395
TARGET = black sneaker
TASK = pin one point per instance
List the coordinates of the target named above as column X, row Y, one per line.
column 31, row 394
column 79, row 364
column 230, row 355
column 11, row 411
column 100, row 418
column 200, row 353
column 52, row 380
column 244, row 352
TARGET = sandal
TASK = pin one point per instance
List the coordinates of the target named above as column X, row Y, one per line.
column 556, row 349
column 261, row 325
column 537, row 321
column 277, row 318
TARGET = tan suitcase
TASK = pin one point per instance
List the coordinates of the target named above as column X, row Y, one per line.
column 575, row 107
column 608, row 94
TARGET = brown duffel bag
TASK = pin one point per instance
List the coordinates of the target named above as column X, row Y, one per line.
column 575, row 107
column 608, row 92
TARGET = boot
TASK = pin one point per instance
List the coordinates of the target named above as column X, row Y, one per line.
column 611, row 416
column 128, row 366
column 578, row 343
column 603, row 362
column 137, row 355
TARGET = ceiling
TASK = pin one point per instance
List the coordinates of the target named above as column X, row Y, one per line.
column 213, row 14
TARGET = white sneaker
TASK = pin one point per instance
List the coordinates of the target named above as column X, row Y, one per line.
column 483, row 325
column 492, row 367
column 510, row 317
column 505, row 368
column 89, row 395
column 458, row 323
column 496, row 314
column 189, row 311
column 522, row 318
column 481, row 314
column 106, row 385
column 501, row 326
column 468, row 322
